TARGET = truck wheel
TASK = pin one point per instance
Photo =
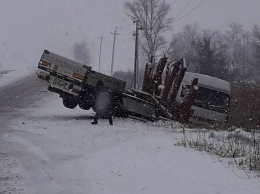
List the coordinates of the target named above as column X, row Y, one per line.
column 84, row 106
column 69, row 102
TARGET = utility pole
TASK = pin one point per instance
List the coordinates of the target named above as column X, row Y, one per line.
column 113, row 51
column 93, row 61
column 100, row 48
column 136, row 61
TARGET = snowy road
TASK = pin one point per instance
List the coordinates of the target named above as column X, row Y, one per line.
column 47, row 149
column 14, row 98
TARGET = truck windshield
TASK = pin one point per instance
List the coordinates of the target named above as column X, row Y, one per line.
column 210, row 99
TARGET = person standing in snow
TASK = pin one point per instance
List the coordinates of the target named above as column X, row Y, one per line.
column 103, row 103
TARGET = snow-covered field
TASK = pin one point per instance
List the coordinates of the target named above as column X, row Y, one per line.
column 57, row 150
column 12, row 76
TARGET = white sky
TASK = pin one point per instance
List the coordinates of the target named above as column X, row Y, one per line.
column 29, row 26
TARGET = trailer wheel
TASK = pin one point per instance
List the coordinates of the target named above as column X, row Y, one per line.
column 69, row 102
column 85, row 106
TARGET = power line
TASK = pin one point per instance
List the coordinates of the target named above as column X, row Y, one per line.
column 182, row 9
column 174, row 2
column 190, row 11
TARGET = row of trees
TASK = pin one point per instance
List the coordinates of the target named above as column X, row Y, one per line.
column 233, row 55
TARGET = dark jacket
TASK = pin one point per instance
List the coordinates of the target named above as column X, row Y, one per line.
column 103, row 102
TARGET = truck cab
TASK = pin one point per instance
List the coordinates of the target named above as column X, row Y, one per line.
column 212, row 101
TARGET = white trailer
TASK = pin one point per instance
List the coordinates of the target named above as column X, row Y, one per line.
column 75, row 82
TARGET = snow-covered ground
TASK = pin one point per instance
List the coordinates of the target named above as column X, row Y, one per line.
column 8, row 77
column 57, row 150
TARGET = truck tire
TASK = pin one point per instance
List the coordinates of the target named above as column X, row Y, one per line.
column 69, row 102
column 84, row 106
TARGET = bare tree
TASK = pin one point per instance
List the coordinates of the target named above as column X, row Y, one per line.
column 81, row 52
column 210, row 58
column 154, row 20
column 239, row 51
column 181, row 45
column 256, row 44
column 254, row 55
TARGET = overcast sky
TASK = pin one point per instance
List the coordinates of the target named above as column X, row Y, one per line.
column 30, row 26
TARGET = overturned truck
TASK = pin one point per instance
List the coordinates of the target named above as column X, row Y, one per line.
column 186, row 96
column 168, row 91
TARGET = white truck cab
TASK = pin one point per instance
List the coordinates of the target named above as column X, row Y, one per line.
column 212, row 100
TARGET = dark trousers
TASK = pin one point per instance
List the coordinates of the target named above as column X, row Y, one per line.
column 107, row 116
